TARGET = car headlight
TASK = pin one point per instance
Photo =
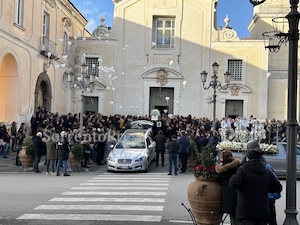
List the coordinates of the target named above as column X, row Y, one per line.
column 109, row 158
column 143, row 158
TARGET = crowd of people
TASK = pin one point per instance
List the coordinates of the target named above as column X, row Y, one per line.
column 53, row 134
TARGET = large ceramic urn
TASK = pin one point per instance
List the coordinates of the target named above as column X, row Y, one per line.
column 26, row 160
column 204, row 196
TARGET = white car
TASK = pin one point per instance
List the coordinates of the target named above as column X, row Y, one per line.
column 134, row 151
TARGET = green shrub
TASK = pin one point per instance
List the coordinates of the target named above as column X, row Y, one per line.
column 77, row 151
column 28, row 143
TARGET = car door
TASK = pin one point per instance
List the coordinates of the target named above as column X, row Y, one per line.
column 150, row 149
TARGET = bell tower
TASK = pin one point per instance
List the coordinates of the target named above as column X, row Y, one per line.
column 263, row 15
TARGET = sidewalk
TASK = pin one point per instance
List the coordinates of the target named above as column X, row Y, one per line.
column 7, row 165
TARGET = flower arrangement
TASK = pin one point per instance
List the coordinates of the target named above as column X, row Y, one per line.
column 242, row 147
column 155, row 112
column 205, row 163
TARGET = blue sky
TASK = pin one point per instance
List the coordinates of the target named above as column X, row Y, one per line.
column 239, row 11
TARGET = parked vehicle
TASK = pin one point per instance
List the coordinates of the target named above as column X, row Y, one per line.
column 278, row 161
column 141, row 124
column 134, row 151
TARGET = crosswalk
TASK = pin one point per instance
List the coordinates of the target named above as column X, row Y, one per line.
column 109, row 197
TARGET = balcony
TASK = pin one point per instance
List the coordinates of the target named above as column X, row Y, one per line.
column 48, row 46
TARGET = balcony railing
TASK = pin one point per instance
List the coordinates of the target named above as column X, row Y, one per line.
column 48, row 46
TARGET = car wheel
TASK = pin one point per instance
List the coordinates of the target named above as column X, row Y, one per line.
column 108, row 170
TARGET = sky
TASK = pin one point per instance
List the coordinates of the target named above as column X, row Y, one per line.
column 239, row 12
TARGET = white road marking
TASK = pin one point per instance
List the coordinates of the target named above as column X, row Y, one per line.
column 89, row 217
column 101, row 207
column 132, row 181
column 180, row 221
column 113, row 193
column 120, row 188
column 134, row 175
column 127, row 178
column 107, row 200
column 125, row 184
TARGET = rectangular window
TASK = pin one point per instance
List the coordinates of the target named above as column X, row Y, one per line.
column 65, row 44
column 235, row 69
column 90, row 61
column 45, row 38
column 163, row 32
column 20, row 12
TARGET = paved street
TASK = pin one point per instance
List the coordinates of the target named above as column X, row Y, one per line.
column 97, row 197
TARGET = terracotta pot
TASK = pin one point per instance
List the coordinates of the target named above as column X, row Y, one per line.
column 204, row 196
column 73, row 164
column 26, row 161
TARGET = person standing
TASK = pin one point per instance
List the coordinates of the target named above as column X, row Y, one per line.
column 38, row 151
column 173, row 148
column 184, row 148
column 100, row 147
column 86, row 153
column 51, row 152
column 160, row 140
column 33, row 124
column 4, row 140
column 253, row 181
column 229, row 196
column 63, row 149
column 13, row 135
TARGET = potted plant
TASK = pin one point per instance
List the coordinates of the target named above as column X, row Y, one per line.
column 204, row 193
column 26, row 153
column 75, row 156
column 193, row 150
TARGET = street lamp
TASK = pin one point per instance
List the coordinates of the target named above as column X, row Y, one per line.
column 215, row 84
column 86, row 83
column 293, row 38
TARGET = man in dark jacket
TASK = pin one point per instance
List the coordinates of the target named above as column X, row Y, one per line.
column 173, row 148
column 38, row 151
column 184, row 148
column 62, row 153
column 253, row 181
column 160, row 140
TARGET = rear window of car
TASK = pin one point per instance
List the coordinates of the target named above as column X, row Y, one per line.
column 132, row 140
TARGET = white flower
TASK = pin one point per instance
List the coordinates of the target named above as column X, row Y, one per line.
column 155, row 112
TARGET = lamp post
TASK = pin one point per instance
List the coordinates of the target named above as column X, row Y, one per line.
column 215, row 84
column 85, row 82
column 292, row 37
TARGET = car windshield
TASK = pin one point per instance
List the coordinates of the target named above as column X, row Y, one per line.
column 132, row 140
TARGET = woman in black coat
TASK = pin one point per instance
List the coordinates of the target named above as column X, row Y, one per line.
column 229, row 196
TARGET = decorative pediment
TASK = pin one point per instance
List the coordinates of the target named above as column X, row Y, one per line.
column 162, row 75
column 152, row 74
column 236, row 89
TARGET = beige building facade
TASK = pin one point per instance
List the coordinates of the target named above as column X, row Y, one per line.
column 34, row 43
column 151, row 57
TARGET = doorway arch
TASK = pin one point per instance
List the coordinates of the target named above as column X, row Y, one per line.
column 9, row 89
column 43, row 92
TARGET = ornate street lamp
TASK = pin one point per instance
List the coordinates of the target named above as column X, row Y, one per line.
column 291, row 178
column 86, row 83
column 215, row 84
